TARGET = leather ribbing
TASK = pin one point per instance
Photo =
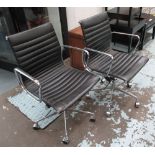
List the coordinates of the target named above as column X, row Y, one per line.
column 36, row 48
column 38, row 52
column 97, row 35
column 96, row 31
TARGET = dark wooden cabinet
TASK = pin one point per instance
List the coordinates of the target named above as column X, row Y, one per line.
column 76, row 40
column 126, row 20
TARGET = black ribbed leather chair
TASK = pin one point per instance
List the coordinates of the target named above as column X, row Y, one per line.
column 111, row 64
column 46, row 78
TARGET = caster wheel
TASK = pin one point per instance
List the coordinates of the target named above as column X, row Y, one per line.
column 129, row 85
column 65, row 140
column 87, row 95
column 92, row 119
column 108, row 113
column 36, row 126
column 137, row 104
column 102, row 81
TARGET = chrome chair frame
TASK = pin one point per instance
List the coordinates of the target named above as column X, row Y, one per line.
column 113, row 79
column 19, row 73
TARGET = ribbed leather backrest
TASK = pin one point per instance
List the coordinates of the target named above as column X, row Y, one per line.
column 96, row 31
column 36, row 48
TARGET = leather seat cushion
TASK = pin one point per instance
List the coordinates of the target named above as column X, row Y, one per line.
column 125, row 66
column 62, row 86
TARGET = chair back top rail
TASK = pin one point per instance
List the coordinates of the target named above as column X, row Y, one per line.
column 36, row 48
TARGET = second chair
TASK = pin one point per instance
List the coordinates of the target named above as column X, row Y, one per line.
column 111, row 64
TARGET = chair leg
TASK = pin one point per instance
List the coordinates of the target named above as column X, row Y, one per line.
column 92, row 118
column 66, row 138
column 137, row 104
column 106, row 84
column 108, row 113
column 103, row 81
column 36, row 124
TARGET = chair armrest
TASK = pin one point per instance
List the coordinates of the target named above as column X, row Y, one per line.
column 103, row 53
column 19, row 72
column 132, row 35
column 83, row 51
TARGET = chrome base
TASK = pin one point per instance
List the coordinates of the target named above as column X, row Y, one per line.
column 108, row 113
column 92, row 119
column 137, row 104
column 113, row 88
column 127, row 93
column 129, row 85
column 92, row 115
column 66, row 140
column 36, row 126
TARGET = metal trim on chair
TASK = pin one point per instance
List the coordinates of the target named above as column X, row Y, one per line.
column 18, row 73
column 84, row 51
column 103, row 53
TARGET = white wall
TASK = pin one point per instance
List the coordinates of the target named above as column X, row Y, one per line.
column 54, row 18
column 75, row 14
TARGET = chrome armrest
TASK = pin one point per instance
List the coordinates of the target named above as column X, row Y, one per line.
column 103, row 53
column 19, row 72
column 132, row 35
column 84, row 52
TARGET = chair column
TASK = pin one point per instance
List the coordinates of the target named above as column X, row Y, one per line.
column 66, row 138
column 108, row 113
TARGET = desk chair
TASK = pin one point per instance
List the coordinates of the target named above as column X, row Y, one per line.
column 42, row 74
column 112, row 65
